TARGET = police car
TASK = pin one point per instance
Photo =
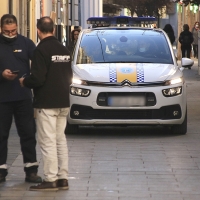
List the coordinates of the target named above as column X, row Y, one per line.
column 127, row 74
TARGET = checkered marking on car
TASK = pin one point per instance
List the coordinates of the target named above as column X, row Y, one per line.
column 140, row 74
column 113, row 74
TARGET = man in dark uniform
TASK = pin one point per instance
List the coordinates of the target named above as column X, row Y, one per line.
column 15, row 54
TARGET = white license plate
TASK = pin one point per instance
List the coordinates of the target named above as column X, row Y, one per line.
column 127, row 101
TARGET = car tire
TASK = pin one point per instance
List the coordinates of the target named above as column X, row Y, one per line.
column 71, row 129
column 180, row 129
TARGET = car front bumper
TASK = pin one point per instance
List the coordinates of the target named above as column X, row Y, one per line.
column 166, row 111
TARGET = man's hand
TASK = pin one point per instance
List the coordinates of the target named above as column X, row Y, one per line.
column 7, row 74
column 21, row 82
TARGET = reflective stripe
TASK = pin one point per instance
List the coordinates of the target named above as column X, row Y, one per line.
column 30, row 164
column 112, row 74
column 140, row 73
column 4, row 166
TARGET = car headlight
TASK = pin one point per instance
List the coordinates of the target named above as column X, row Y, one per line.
column 170, row 92
column 79, row 91
column 78, row 81
column 174, row 81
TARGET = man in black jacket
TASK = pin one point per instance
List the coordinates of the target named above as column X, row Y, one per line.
column 186, row 39
column 15, row 54
column 50, row 79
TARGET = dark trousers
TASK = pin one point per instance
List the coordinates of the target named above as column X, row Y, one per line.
column 195, row 49
column 22, row 111
column 187, row 50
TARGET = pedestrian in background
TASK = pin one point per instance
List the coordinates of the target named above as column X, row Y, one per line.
column 15, row 54
column 50, row 79
column 195, row 30
column 74, row 38
column 186, row 39
column 170, row 32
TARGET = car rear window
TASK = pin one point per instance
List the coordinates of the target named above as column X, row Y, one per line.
column 130, row 46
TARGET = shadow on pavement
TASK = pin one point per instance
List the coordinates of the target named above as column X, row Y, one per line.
column 124, row 131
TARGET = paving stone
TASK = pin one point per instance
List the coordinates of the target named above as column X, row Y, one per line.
column 135, row 163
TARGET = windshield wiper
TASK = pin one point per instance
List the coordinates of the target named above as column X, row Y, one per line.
column 129, row 62
column 114, row 61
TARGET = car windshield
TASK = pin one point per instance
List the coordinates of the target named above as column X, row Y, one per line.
column 124, row 46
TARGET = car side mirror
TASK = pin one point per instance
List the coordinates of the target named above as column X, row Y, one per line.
column 187, row 62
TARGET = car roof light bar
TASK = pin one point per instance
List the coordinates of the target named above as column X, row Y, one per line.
column 121, row 21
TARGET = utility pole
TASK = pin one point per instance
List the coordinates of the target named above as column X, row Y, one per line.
column 67, row 22
column 181, row 21
column 58, row 27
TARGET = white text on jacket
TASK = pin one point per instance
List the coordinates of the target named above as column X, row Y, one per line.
column 60, row 58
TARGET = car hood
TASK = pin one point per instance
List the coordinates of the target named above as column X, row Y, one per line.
column 118, row 72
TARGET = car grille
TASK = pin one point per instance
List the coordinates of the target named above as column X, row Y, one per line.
column 88, row 113
column 124, row 83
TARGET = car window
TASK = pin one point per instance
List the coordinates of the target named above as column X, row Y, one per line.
column 112, row 46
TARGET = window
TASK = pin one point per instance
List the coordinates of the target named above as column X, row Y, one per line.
column 132, row 46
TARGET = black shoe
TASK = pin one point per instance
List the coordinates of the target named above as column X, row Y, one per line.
column 45, row 186
column 2, row 178
column 33, row 178
column 62, row 184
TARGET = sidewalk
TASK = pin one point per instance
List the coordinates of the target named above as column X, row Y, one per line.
column 111, row 166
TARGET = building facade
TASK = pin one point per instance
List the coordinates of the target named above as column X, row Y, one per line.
column 70, row 13
column 22, row 9
column 90, row 8
column 65, row 14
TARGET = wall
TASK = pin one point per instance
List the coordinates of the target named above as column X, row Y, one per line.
column 90, row 8
column 4, row 8
column 23, row 11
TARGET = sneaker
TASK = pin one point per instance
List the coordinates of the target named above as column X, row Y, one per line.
column 33, row 178
column 62, row 184
column 2, row 178
column 45, row 186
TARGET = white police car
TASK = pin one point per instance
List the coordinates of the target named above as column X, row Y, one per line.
column 127, row 76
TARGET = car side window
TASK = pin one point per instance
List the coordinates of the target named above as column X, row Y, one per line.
column 91, row 50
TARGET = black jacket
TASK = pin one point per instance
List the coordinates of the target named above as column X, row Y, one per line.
column 51, row 74
column 15, row 55
column 186, row 38
column 71, row 46
column 171, row 37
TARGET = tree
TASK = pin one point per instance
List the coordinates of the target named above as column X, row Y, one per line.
column 143, row 7
column 132, row 5
column 186, row 2
column 110, row 9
